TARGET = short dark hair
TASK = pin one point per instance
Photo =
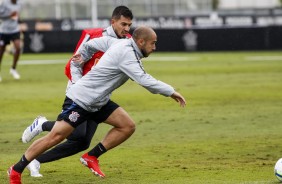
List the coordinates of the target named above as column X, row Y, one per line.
column 122, row 11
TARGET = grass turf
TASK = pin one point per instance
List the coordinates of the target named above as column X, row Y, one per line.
column 230, row 131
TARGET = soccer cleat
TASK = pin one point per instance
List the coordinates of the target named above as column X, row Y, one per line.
column 34, row 167
column 14, row 176
column 92, row 163
column 34, row 129
column 15, row 74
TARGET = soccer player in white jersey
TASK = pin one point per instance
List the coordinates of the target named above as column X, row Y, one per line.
column 120, row 62
column 10, row 31
column 81, row 137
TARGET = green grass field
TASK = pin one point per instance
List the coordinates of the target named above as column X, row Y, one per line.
column 229, row 132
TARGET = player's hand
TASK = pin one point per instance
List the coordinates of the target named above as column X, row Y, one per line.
column 14, row 13
column 77, row 58
column 179, row 98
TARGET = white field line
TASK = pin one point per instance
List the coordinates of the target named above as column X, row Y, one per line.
column 263, row 58
column 42, row 62
column 62, row 61
column 171, row 58
column 152, row 58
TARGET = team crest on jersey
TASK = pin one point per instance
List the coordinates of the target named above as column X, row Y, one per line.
column 73, row 116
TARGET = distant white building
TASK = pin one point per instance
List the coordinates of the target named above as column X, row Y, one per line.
column 83, row 9
column 241, row 4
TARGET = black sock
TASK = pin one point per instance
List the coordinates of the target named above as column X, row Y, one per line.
column 48, row 125
column 98, row 150
column 19, row 167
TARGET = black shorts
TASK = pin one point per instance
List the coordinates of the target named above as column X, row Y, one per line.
column 5, row 38
column 75, row 115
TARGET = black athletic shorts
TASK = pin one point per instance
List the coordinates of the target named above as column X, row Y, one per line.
column 5, row 38
column 75, row 115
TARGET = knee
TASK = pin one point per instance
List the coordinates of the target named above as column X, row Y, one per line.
column 54, row 138
column 77, row 145
column 80, row 145
column 17, row 49
column 127, row 126
column 84, row 145
column 130, row 128
column 59, row 132
column 50, row 140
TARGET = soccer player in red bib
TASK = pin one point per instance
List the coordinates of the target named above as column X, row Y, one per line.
column 81, row 138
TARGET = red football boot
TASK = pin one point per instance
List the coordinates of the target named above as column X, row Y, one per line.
column 14, row 176
column 92, row 163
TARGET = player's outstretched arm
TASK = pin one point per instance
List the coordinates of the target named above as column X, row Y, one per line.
column 179, row 98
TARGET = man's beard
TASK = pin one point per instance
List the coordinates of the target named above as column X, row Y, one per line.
column 145, row 54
